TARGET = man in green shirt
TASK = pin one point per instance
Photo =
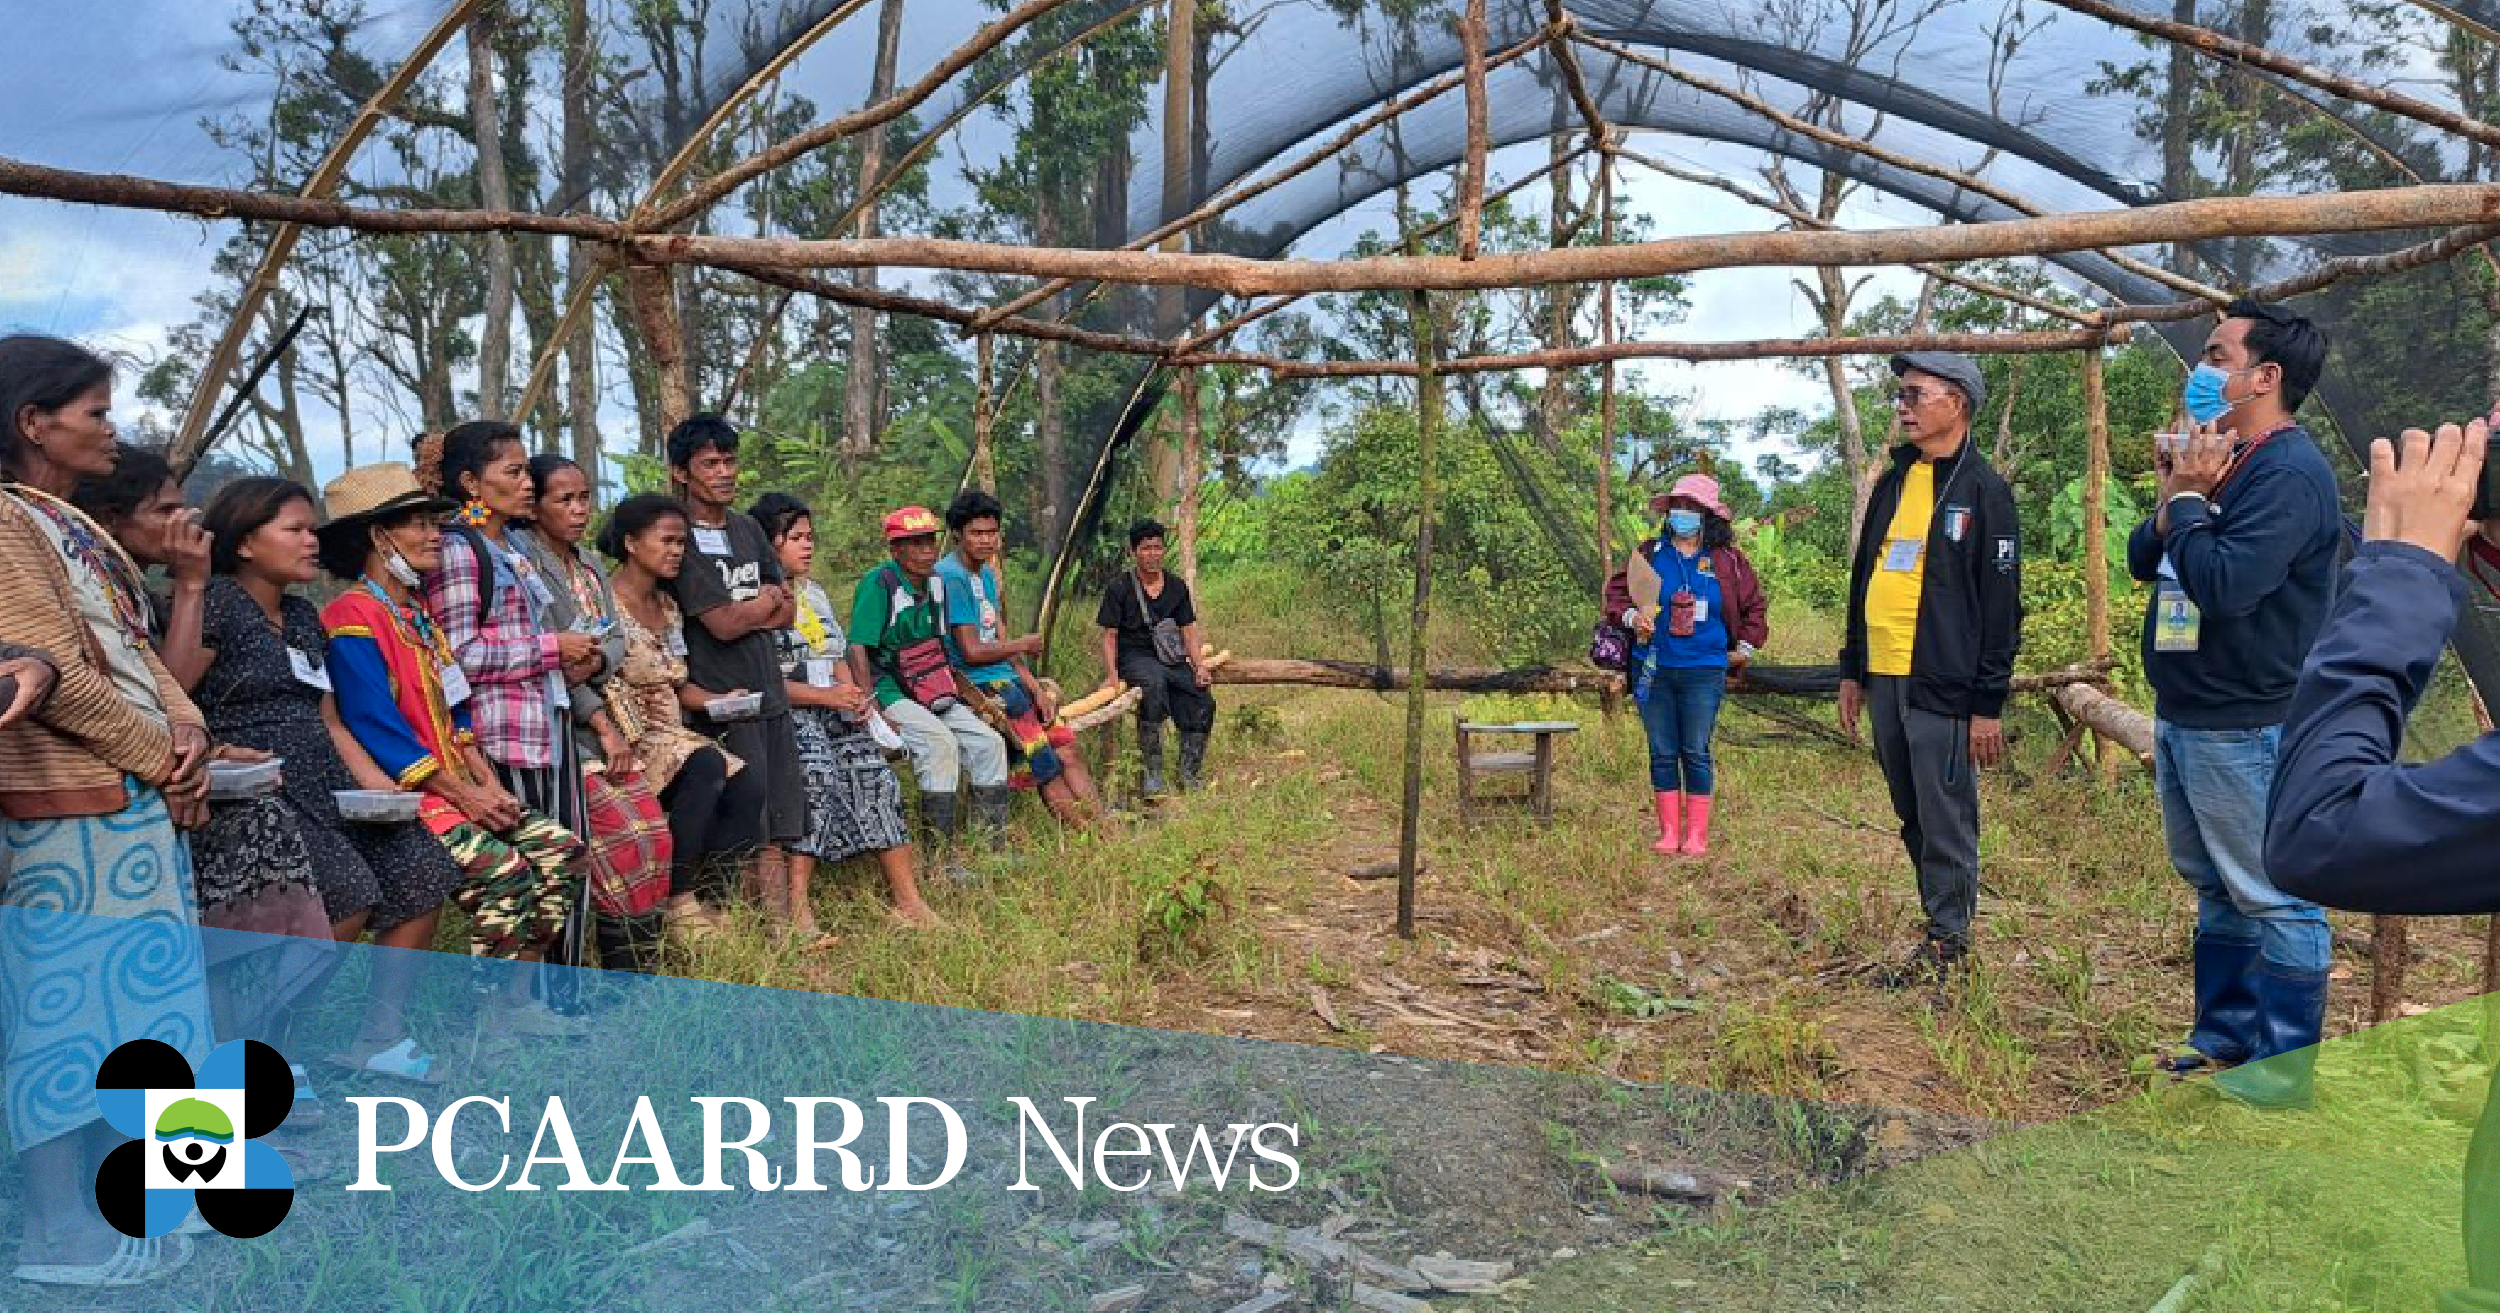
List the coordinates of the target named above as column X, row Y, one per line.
column 898, row 647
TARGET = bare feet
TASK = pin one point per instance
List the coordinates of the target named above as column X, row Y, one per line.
column 915, row 915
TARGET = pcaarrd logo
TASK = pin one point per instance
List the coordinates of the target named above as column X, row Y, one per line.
column 195, row 1139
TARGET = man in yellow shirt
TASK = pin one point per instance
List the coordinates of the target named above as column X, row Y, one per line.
column 1935, row 615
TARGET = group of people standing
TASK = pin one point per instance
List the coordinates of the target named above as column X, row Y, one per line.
column 2241, row 552
column 579, row 740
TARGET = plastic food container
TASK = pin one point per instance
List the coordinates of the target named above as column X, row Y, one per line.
column 230, row 780
column 378, row 806
column 744, row 706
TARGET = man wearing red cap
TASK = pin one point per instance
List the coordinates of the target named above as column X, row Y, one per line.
column 898, row 647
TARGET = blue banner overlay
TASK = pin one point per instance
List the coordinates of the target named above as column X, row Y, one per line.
column 706, row 1146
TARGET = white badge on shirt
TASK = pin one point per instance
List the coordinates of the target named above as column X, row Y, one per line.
column 712, row 542
column 675, row 643
column 820, row 672
column 455, row 684
column 308, row 669
column 1701, row 610
column 1901, row 554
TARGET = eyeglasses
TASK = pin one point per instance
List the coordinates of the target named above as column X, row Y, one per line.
column 1914, row 396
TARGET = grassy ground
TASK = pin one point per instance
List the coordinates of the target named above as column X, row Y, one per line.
column 1568, row 953
column 1744, row 971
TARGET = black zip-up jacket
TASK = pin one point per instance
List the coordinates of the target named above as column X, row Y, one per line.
column 1970, row 609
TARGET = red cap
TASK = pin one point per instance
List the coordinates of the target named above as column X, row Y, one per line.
column 911, row 522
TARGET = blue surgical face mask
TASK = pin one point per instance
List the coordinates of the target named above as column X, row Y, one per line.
column 2203, row 396
column 1684, row 524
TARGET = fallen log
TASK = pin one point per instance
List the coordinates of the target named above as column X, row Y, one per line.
column 1382, row 679
column 1785, row 681
column 2110, row 718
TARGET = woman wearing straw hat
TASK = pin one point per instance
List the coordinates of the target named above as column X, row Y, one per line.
column 405, row 700
column 1696, row 610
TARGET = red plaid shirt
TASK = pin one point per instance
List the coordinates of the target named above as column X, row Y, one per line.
column 508, row 659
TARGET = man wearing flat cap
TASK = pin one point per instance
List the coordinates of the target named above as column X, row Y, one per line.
column 1935, row 615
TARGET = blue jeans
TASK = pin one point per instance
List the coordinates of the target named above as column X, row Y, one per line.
column 2214, row 784
column 1680, row 710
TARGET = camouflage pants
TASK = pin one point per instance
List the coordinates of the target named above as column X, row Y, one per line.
column 516, row 886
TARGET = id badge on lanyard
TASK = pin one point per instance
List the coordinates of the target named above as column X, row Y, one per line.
column 2176, row 621
column 712, row 542
column 455, row 683
column 1901, row 555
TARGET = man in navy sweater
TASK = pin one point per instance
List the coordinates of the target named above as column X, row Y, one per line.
column 2352, row 826
column 2242, row 554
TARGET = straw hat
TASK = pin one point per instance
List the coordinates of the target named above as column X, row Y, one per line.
column 375, row 492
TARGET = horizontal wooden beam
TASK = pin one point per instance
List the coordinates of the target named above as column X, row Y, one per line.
column 2452, row 205
column 1977, row 344
column 2383, row 210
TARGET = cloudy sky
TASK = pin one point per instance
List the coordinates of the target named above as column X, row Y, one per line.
column 130, row 93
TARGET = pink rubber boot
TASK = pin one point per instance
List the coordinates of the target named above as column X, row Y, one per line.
column 1697, row 826
column 1670, row 822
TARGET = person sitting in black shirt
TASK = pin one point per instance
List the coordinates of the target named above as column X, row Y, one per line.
column 1174, row 682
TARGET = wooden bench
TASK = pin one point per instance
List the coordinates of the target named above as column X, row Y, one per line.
column 1537, row 764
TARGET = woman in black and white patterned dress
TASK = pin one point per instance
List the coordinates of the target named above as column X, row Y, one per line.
column 855, row 805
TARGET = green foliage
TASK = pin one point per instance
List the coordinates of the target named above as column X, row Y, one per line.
column 1351, row 524
column 1792, row 564
column 1179, row 913
column 2120, row 517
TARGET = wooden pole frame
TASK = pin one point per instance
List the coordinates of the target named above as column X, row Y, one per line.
column 2445, row 205
column 188, row 444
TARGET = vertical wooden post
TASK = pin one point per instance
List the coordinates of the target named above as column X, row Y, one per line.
column 1609, row 702
column 1185, row 525
column 1427, row 432
column 1471, row 33
column 2096, row 529
column 984, row 416
column 2096, row 503
column 2389, row 953
column 1172, row 311
column 652, row 292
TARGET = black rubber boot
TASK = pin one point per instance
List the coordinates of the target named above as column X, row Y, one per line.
column 942, row 815
column 1150, row 755
column 989, row 810
column 1193, row 757
column 629, row 943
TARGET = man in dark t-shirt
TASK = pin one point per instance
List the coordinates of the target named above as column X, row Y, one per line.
column 1174, row 691
column 736, row 603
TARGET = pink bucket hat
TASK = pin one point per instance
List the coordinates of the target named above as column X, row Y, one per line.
column 1696, row 487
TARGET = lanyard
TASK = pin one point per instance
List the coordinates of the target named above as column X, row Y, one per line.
column 2240, row 461
column 1684, row 570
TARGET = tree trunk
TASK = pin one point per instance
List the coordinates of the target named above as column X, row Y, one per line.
column 1192, row 476
column 581, row 264
column 2178, row 147
column 984, row 416
column 494, row 190
column 863, row 408
column 1554, row 400
column 654, row 297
